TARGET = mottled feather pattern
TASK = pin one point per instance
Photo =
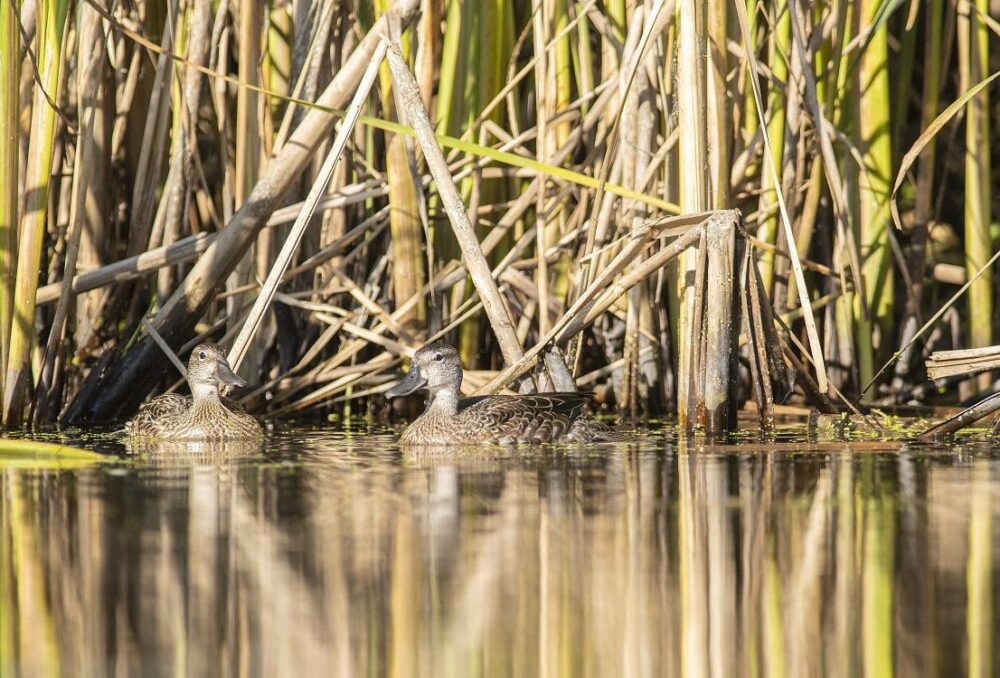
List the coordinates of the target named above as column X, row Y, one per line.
column 496, row 419
column 507, row 420
column 174, row 416
column 205, row 415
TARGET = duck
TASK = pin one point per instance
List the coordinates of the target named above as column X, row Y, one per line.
column 451, row 420
column 203, row 415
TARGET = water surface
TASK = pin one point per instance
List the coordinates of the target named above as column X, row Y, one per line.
column 330, row 552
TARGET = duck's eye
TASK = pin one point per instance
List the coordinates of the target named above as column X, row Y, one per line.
column 438, row 357
column 202, row 355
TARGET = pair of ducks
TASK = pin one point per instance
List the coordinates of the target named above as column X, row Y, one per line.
column 448, row 420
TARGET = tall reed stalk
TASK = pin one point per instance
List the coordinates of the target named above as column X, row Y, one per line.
column 10, row 72
column 52, row 17
column 973, row 50
column 693, row 185
column 780, row 55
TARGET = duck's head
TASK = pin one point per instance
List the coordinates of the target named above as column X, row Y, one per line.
column 434, row 367
column 208, row 369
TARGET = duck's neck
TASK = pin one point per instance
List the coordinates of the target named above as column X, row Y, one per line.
column 204, row 394
column 444, row 401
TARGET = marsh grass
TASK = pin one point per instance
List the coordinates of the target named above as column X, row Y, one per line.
column 564, row 127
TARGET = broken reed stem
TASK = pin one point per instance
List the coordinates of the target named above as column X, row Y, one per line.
column 721, row 325
column 263, row 300
column 479, row 270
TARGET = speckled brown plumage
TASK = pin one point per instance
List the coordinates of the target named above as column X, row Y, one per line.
column 498, row 419
column 204, row 415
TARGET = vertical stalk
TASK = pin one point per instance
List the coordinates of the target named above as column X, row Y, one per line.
column 544, row 108
column 749, row 120
column 779, row 56
column 974, row 66
column 875, row 144
column 248, row 165
column 10, row 72
column 44, row 125
column 404, row 207
column 693, row 193
column 719, row 120
column 90, row 98
column 925, row 186
column 247, row 118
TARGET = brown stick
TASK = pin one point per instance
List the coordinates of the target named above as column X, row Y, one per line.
column 479, row 270
column 968, row 416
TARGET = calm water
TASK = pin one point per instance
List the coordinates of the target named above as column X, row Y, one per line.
column 332, row 553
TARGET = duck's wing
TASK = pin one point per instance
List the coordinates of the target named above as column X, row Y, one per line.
column 166, row 404
column 537, row 417
column 232, row 405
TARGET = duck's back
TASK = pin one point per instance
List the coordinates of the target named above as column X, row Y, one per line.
column 175, row 417
column 509, row 419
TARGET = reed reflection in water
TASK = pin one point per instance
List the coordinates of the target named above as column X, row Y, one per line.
column 340, row 556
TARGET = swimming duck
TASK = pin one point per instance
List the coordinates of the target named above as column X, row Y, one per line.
column 499, row 419
column 203, row 415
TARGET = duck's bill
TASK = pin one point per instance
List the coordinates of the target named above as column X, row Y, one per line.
column 411, row 383
column 227, row 376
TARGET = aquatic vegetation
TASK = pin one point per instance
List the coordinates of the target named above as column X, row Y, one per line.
column 524, row 179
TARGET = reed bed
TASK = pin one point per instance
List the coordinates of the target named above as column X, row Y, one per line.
column 155, row 153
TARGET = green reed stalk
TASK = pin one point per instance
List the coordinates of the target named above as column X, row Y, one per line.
column 974, row 66
column 454, row 66
column 10, row 72
column 875, row 143
column 583, row 64
column 780, row 54
column 928, row 111
column 749, row 114
column 459, row 64
column 52, row 16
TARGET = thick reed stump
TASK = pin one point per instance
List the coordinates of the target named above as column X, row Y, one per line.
column 722, row 312
column 714, row 335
